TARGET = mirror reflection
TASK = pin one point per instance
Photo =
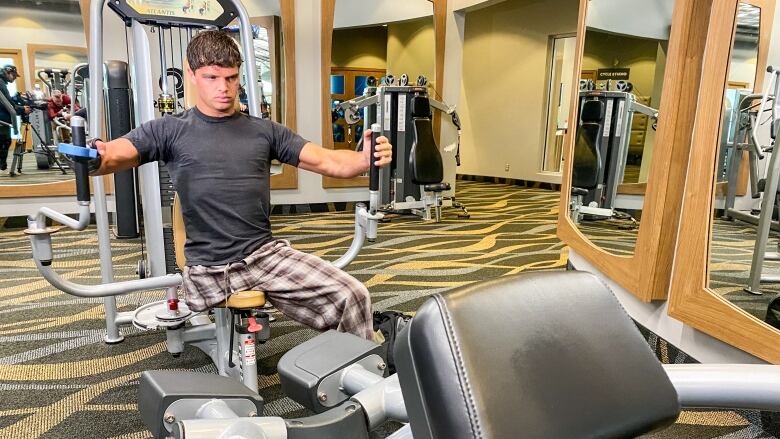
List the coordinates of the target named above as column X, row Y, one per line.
column 744, row 244
column 623, row 64
column 368, row 50
column 267, row 41
column 40, row 95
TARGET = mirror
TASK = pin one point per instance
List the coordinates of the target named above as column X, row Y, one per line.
column 620, row 87
column 741, row 173
column 267, row 33
column 396, row 38
column 274, row 57
column 716, row 245
column 46, row 42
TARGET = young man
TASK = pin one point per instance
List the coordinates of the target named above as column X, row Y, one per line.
column 8, row 113
column 219, row 160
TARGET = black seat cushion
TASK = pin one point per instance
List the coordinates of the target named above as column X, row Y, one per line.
column 547, row 355
column 425, row 162
column 587, row 163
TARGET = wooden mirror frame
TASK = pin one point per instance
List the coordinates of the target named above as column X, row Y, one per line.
column 646, row 273
column 328, row 9
column 691, row 301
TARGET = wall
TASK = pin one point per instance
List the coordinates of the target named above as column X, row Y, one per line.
column 743, row 64
column 20, row 27
column 352, row 13
column 645, row 18
column 410, row 48
column 503, row 90
column 604, row 50
column 61, row 60
column 360, row 48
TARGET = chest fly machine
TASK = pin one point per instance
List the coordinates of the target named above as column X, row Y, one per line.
column 414, row 181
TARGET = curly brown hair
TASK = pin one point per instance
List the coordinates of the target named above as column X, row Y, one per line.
column 213, row 48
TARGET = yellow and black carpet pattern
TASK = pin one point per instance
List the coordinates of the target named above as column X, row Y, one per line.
column 59, row 380
column 731, row 255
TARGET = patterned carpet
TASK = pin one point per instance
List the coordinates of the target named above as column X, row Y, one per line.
column 730, row 259
column 59, row 380
column 617, row 235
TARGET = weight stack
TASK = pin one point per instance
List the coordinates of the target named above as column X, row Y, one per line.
column 119, row 121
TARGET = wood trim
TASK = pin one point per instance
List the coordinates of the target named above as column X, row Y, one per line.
column 632, row 188
column 288, row 179
column 60, row 188
column 17, row 53
column 327, row 10
column 440, row 34
column 646, row 273
column 691, row 301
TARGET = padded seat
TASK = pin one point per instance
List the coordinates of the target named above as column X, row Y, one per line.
column 556, row 357
column 244, row 300
column 588, row 164
column 238, row 300
column 439, row 187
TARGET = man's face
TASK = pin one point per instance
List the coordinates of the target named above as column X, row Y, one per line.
column 217, row 87
column 9, row 77
column 57, row 99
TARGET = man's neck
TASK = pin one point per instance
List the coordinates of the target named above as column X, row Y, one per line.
column 213, row 113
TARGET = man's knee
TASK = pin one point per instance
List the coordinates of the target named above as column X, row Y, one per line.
column 359, row 292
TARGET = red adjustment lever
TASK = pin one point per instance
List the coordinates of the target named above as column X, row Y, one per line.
column 173, row 304
column 254, row 326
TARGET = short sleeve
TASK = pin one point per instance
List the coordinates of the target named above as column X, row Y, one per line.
column 287, row 144
column 153, row 140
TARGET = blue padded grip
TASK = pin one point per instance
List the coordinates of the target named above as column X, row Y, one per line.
column 77, row 151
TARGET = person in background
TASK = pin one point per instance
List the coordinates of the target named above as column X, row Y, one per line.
column 57, row 102
column 8, row 113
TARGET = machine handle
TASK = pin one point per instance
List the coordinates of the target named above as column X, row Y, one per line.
column 81, row 155
column 373, row 170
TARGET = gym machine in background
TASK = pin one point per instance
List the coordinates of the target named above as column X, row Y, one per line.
column 119, row 121
column 414, row 181
column 764, row 187
column 54, row 79
column 601, row 148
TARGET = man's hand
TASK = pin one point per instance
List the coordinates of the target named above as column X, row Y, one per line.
column 384, row 150
column 27, row 109
column 94, row 165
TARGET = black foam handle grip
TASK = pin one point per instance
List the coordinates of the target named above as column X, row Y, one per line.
column 81, row 167
column 373, row 170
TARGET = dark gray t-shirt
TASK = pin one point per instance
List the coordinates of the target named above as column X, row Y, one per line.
column 220, row 168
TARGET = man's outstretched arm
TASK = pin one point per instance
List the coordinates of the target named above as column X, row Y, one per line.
column 116, row 155
column 344, row 163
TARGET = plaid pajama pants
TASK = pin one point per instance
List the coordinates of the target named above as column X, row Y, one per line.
column 303, row 287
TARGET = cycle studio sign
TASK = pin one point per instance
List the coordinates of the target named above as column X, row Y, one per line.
column 613, row 73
